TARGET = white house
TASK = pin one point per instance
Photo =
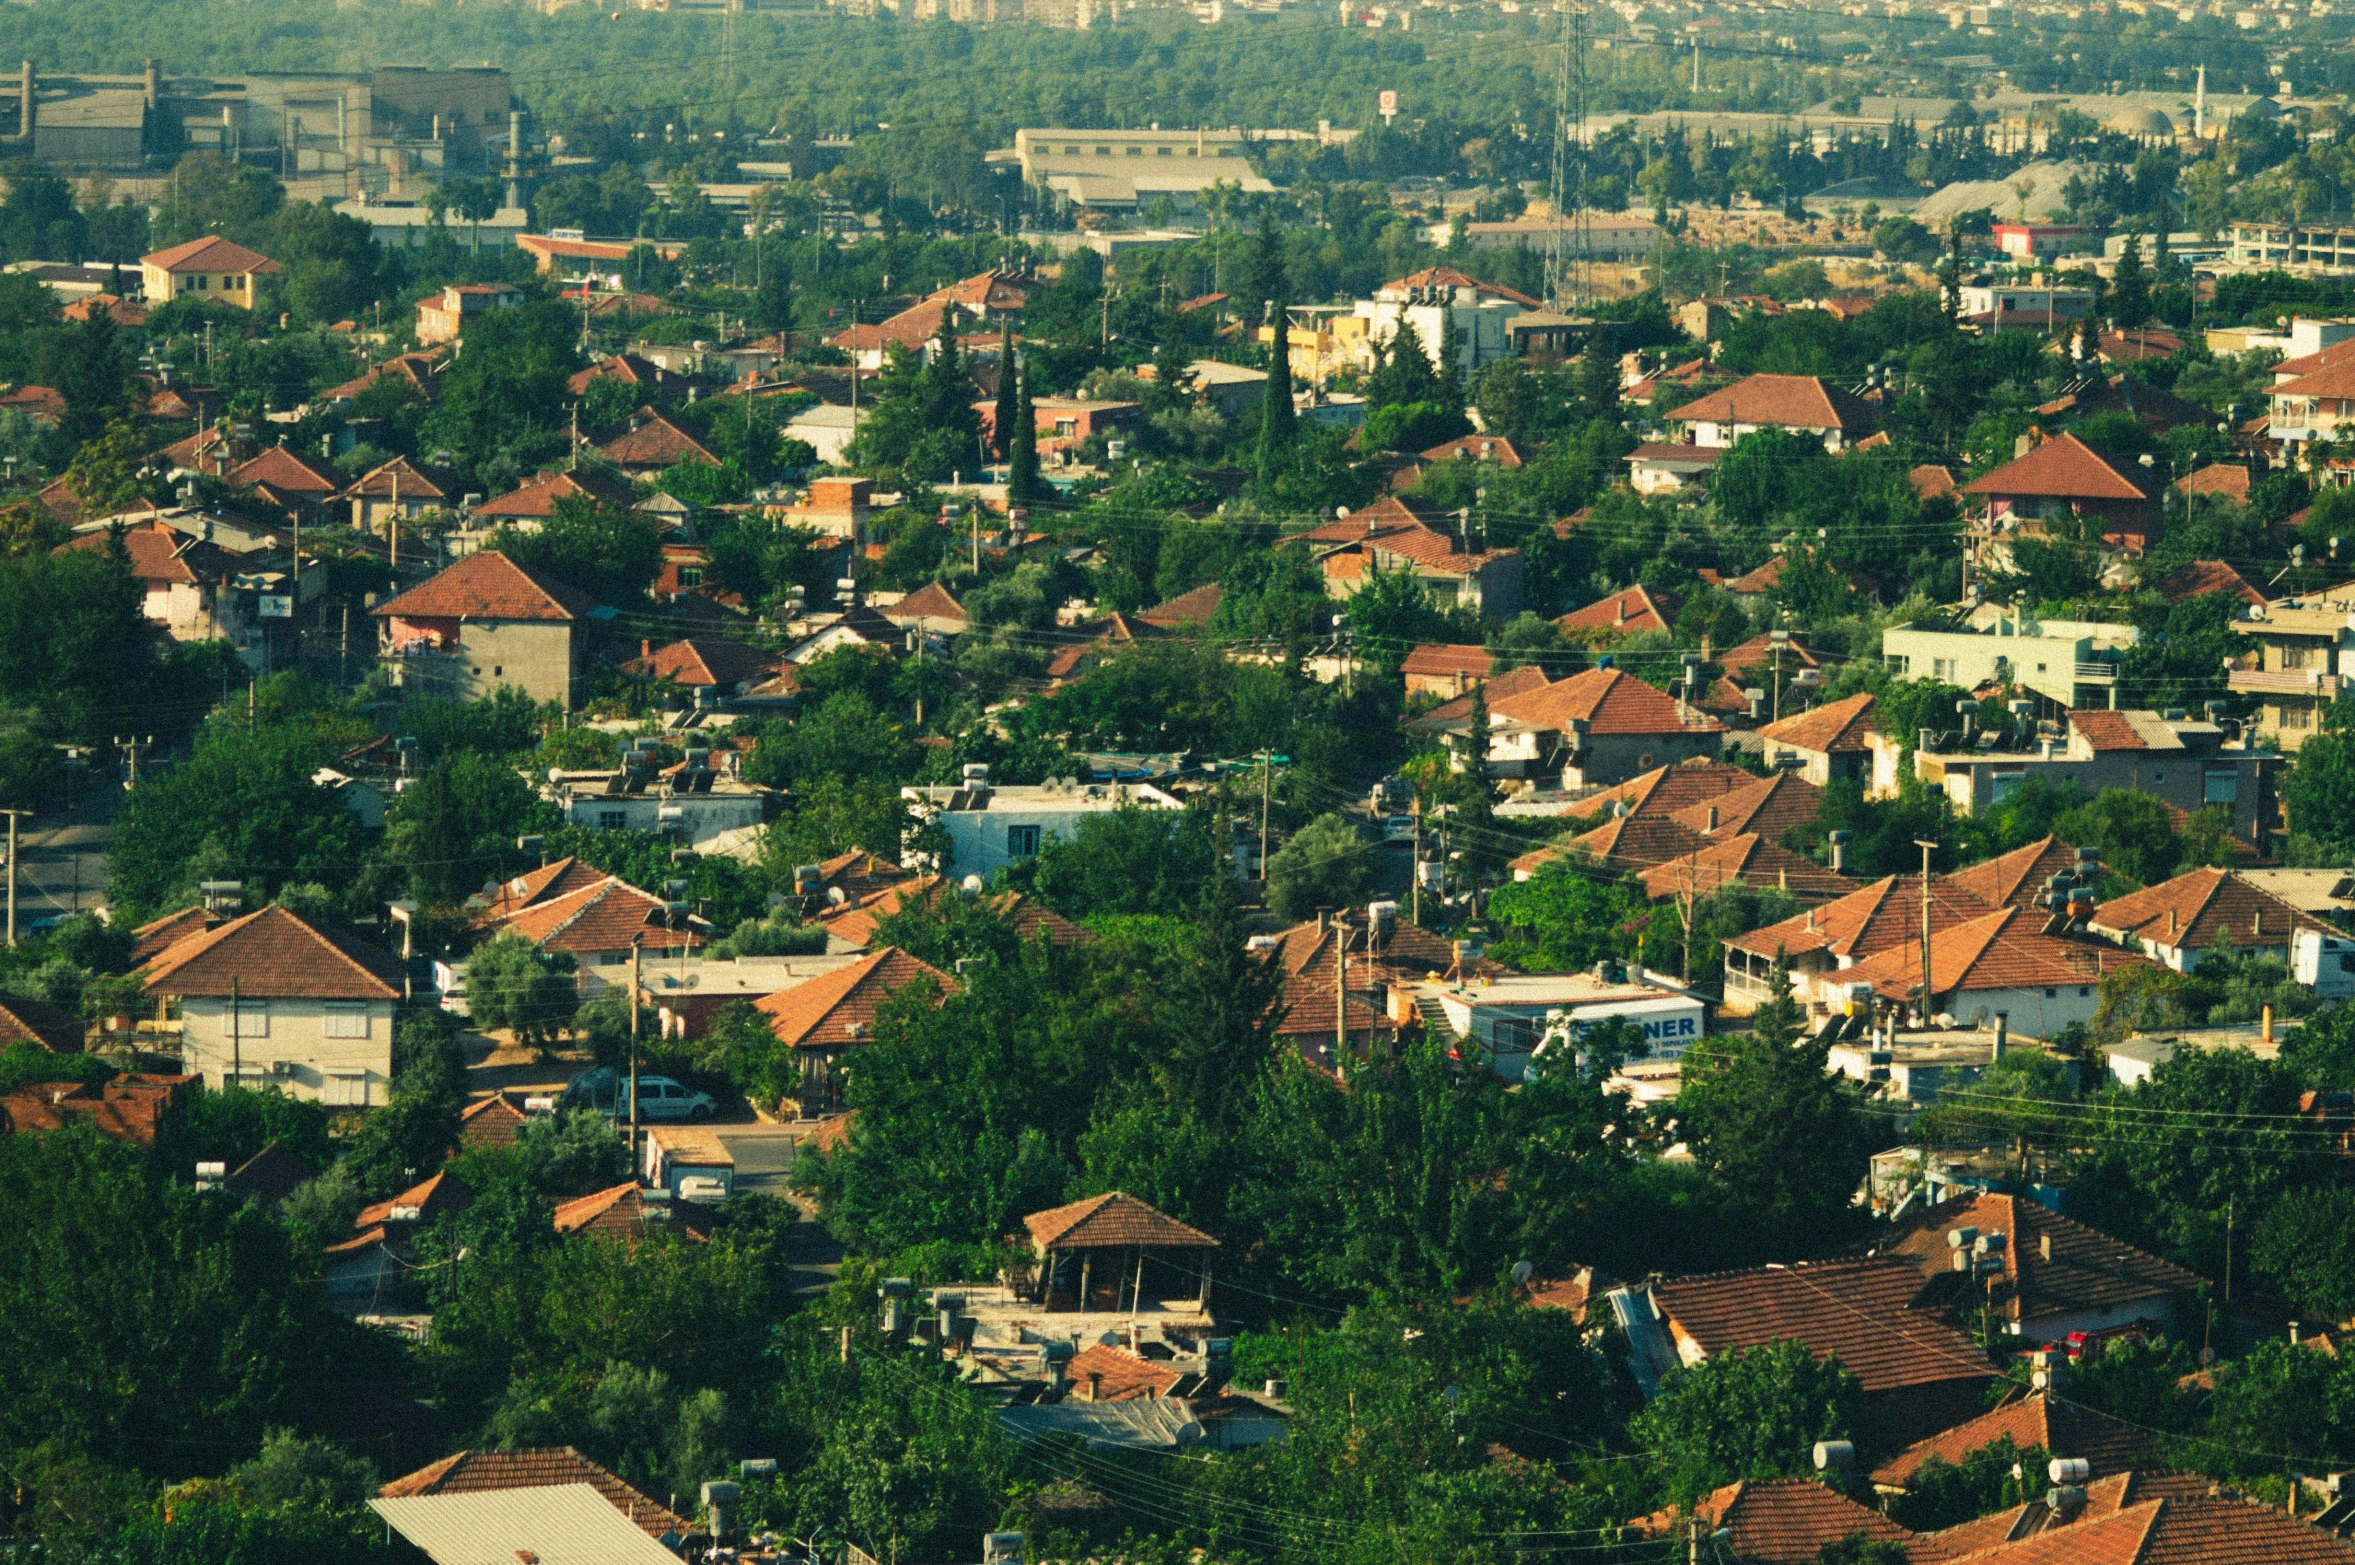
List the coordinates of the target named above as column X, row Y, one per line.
column 272, row 1000
column 985, row 828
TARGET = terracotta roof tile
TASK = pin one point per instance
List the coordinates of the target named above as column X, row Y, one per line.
column 1665, row 790
column 1931, row 480
column 2054, row 1267
column 1187, row 608
column 1875, row 918
column 855, row 923
column 152, row 938
column 1758, row 655
column 1855, row 1308
column 1787, row 1521
column 1790, row 401
column 488, row 1123
column 1440, row 660
column 488, row 585
column 1609, row 700
column 2108, row 730
column 270, row 1175
column 930, row 601
column 2035, row 1422
column 544, row 1467
column 2192, row 911
column 604, row 916
column 1637, row 608
column 1512, row 682
column 1746, row 859
column 840, row 1008
column 534, row 886
column 30, row 1021
column 1836, row 728
column 1476, row 448
column 1113, row 1220
column 1770, row 575
column 1768, row 807
column 621, row 1212
column 1449, row 277
column 430, row 1199
column 2202, row 578
column 1106, row 1374
column 2005, row 949
column 211, row 253
column 129, row 1108
column 2016, row 878
column 415, row 483
column 2063, row 467
column 1637, row 842
column 287, row 473
column 537, row 499
column 655, row 442
column 710, row 664
column 274, row 953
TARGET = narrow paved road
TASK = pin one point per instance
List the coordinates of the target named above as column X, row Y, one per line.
column 764, row 1155
column 61, row 854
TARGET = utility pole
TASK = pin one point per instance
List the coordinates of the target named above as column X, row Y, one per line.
column 637, row 953
column 236, row 1034
column 1267, row 775
column 1340, row 988
column 1414, row 877
column 344, row 658
column 1925, row 847
column 12, row 815
column 396, row 519
column 134, row 747
column 977, row 540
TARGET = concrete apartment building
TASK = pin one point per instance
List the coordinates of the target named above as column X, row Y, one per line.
column 2072, row 664
column 986, row 828
column 272, row 1000
column 2296, row 646
column 1433, row 300
column 211, row 269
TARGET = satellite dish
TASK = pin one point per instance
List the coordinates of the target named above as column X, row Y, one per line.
column 834, row 896
column 970, row 883
column 1522, row 1272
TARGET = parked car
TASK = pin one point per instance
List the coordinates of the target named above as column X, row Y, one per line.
column 659, row 1097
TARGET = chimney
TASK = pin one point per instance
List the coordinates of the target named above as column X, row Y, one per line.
column 1811, row 918
column 154, row 83
column 645, row 647
column 1619, row 609
column 1323, row 915
column 1712, row 817
column 2003, row 1028
column 2293, row 1343
column 1704, row 646
column 2044, row 1246
column 26, row 88
column 2267, row 1034
column 1095, row 1381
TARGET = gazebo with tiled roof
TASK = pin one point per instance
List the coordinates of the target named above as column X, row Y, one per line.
column 1091, row 1252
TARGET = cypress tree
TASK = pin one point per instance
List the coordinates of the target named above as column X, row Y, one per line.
column 1002, row 424
column 1598, row 376
column 1022, row 484
column 2130, row 288
column 1451, row 370
column 1275, row 406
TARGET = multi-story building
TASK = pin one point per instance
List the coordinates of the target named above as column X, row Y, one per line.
column 1797, row 404
column 484, row 624
column 2295, row 647
column 2070, row 663
column 1127, row 170
column 1439, row 302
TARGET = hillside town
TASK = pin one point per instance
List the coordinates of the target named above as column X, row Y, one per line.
column 1631, row 762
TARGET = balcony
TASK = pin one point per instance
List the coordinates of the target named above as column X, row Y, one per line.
column 2284, row 682
column 2097, row 673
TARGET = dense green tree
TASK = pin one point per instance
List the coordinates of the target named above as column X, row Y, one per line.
column 1325, row 864
column 610, row 554
column 1745, row 1415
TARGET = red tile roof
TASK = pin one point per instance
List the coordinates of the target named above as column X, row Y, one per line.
column 2016, row 877
column 1608, row 700
column 1788, row 401
column 1439, row 660
column 1745, row 858
column 2105, row 730
column 605, row 916
column 1476, row 448
column 1634, row 842
column 709, row 663
column 856, row 923
column 488, row 585
column 2033, row 1422
column 1667, row 789
column 1855, row 1308
column 414, row 482
column 930, row 601
column 1512, row 682
column 489, row 1122
column 1837, row 728
column 2196, row 909
column 544, row 1467
column 2230, row 479
column 537, row 499
column 2063, row 467
column 1187, row 608
column 129, row 1108
column 161, row 555
column 654, row 442
column 1930, row 480
column 2054, row 1267
column 29, row 1021
column 1876, row 918
column 2005, row 949
column 1768, row 807
column 1770, row 575
column 212, row 253
column 1785, row 1521
column 1636, row 608
column 272, row 953
column 1113, row 1220
column 287, row 473
column 2201, row 578
column 839, row 1009
column 429, row 1199
column 1105, row 1374
column 627, row 368
column 534, row 886
column 621, row 1212
column 153, row 937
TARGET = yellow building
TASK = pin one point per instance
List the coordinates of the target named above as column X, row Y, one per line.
column 1323, row 344
column 209, row 268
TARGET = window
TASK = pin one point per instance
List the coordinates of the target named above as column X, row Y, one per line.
column 1513, row 1033
column 253, row 1019
column 2222, row 787
column 1942, row 669
column 1165, row 151
column 2294, row 716
column 2083, row 990
column 1136, row 152
column 612, row 820
column 1898, row 663
column 347, row 1089
column 690, row 575
column 498, row 670
column 1021, row 842
column 347, row 1019
column 2293, row 657
column 2006, row 784
column 203, row 282
column 2052, row 994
